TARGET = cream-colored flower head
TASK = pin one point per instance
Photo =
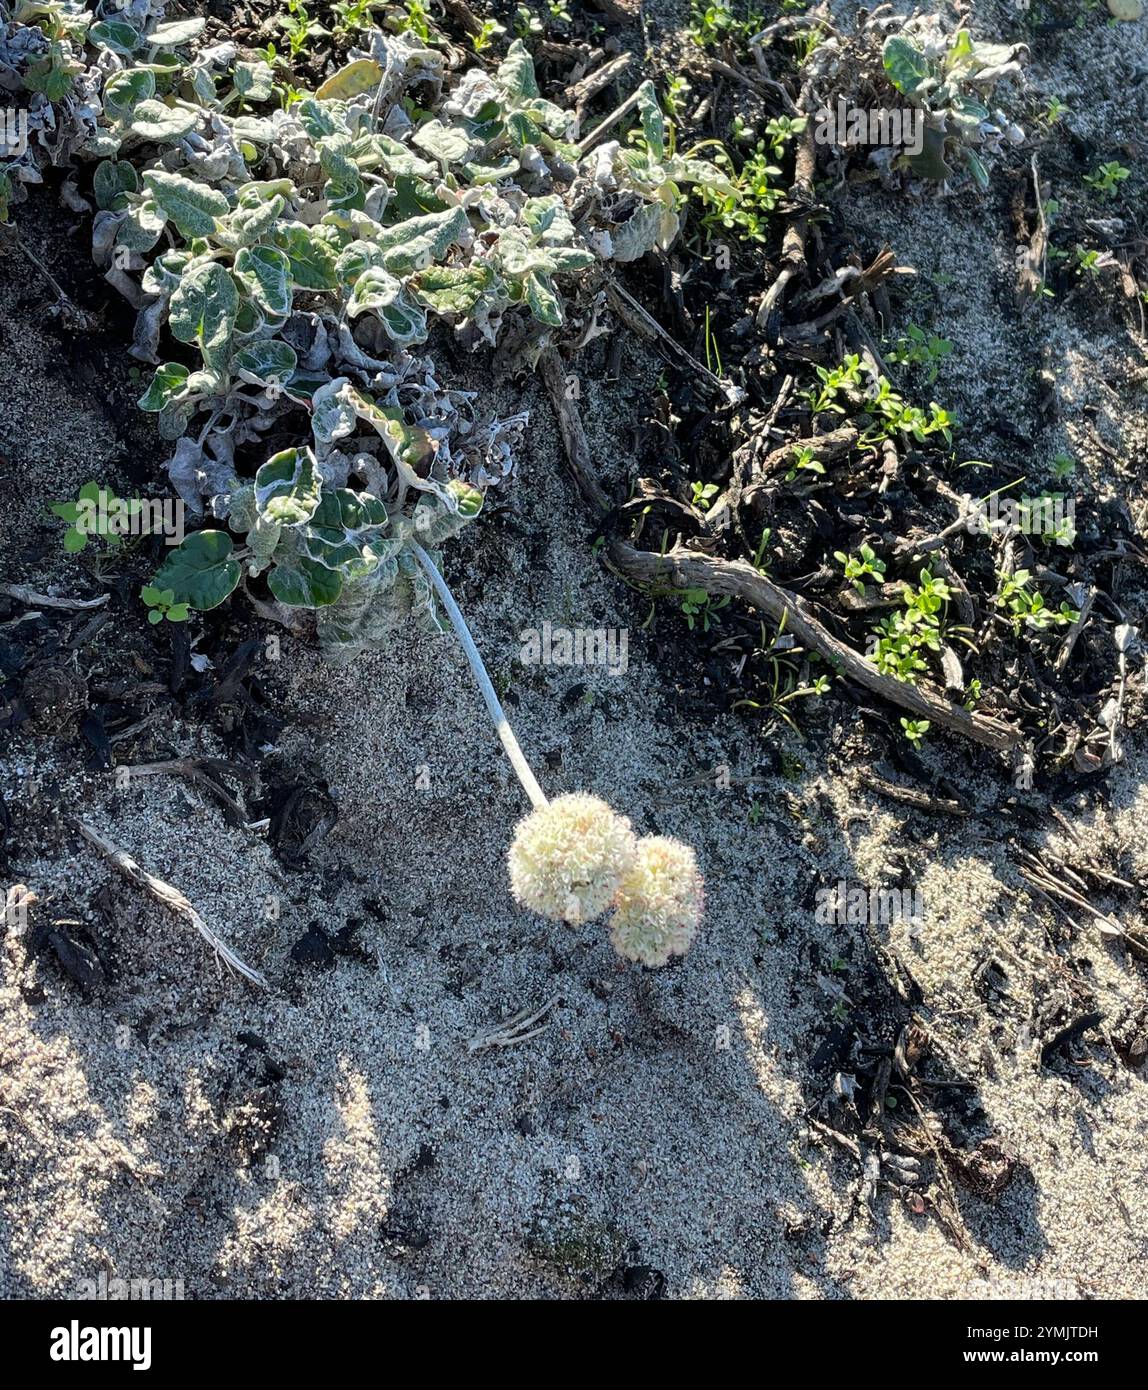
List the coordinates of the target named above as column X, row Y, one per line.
column 567, row 859
column 659, row 902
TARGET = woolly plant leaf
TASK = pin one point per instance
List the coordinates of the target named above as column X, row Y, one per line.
column 383, row 295
column 192, row 205
column 288, row 487
column 203, row 309
column 201, row 572
column 905, row 65
column 452, row 289
column 266, row 362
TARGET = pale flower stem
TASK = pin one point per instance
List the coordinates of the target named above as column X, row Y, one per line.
column 497, row 713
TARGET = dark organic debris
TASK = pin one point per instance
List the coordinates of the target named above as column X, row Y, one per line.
column 72, row 947
column 302, row 816
column 313, row 949
column 55, row 695
column 1070, row 1033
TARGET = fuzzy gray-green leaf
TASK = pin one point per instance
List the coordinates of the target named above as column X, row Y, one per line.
column 192, row 205
column 288, row 487
column 201, row 572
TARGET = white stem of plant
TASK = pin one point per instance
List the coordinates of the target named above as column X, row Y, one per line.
column 497, row 713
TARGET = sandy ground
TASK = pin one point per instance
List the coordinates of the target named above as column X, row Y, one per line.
column 337, row 1137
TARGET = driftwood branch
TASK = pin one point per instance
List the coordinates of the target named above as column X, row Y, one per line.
column 688, row 569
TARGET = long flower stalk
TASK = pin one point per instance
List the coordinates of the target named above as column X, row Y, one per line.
column 494, row 706
column 574, row 858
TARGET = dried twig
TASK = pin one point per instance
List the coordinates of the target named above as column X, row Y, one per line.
column 196, row 770
column 612, row 10
column 168, row 897
column 578, row 94
column 639, row 321
column 755, row 81
column 23, row 594
column 589, row 141
column 573, row 435
column 913, row 796
column 793, row 243
column 1039, row 876
column 77, row 319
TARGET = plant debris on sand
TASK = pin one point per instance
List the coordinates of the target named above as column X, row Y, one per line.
column 768, row 386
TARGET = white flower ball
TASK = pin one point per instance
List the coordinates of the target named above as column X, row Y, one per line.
column 659, row 903
column 567, row 859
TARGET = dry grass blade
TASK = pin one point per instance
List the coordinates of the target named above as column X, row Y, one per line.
column 168, row 897
column 527, row 1023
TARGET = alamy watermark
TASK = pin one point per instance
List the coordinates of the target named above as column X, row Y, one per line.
column 105, row 1290
column 13, row 132
column 576, row 646
column 848, row 903
column 106, row 515
column 81, row 1343
column 1050, row 515
column 850, row 126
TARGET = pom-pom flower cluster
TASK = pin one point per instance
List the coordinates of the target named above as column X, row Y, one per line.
column 575, row 857
column 568, row 858
column 658, row 905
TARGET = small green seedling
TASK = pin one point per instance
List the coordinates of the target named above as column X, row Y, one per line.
column 894, row 417
column 1063, row 466
column 675, row 94
column 916, row 348
column 782, row 683
column 866, row 561
column 161, row 604
column 836, row 381
column 527, row 25
column 97, row 511
column 804, row 461
column 1026, row 607
column 699, row 607
column 702, row 494
column 760, row 563
column 899, row 640
column 711, row 25
column 299, row 27
column 915, row 730
column 484, row 39
column 756, row 188
column 1107, row 178
column 1087, row 260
